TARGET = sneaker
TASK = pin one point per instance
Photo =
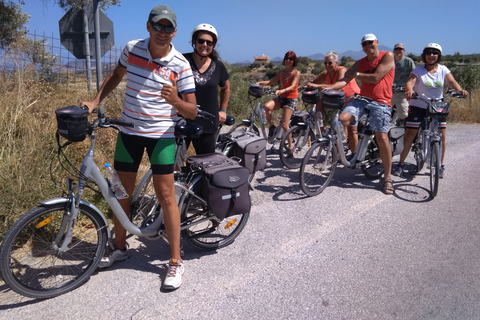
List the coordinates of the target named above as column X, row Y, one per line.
column 112, row 256
column 399, row 169
column 173, row 280
column 442, row 171
column 271, row 132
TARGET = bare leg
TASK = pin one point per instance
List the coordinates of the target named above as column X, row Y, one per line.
column 444, row 142
column 386, row 156
column 128, row 181
column 287, row 114
column 409, row 137
column 352, row 137
column 268, row 107
column 165, row 189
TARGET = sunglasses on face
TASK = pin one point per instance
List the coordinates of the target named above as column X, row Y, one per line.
column 202, row 41
column 290, row 59
column 328, row 63
column 159, row 27
column 367, row 43
column 429, row 52
column 398, row 49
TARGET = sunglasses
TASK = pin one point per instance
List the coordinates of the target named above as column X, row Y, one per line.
column 398, row 49
column 202, row 41
column 329, row 63
column 367, row 43
column 434, row 52
column 290, row 58
column 159, row 27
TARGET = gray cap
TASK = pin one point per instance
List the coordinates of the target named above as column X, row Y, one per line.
column 368, row 37
column 399, row 45
column 163, row 12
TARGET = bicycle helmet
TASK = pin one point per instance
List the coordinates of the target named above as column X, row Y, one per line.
column 435, row 46
column 206, row 27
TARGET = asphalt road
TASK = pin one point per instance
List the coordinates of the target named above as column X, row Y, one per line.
column 350, row 253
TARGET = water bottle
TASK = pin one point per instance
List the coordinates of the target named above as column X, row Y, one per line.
column 264, row 116
column 114, row 182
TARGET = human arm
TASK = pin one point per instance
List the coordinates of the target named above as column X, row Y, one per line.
column 386, row 64
column 224, row 97
column 186, row 106
column 452, row 83
column 275, row 79
column 109, row 84
column 409, row 86
column 317, row 81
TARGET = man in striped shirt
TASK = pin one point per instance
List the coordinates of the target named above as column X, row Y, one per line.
column 156, row 74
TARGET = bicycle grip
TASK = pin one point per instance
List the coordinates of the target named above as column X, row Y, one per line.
column 122, row 123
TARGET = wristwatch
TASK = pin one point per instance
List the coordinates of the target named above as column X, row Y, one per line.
column 356, row 74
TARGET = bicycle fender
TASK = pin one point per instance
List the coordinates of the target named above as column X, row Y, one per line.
column 61, row 200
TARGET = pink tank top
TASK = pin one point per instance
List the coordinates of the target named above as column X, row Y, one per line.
column 381, row 91
column 350, row 89
column 287, row 82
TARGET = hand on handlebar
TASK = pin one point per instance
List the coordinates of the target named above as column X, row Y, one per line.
column 91, row 105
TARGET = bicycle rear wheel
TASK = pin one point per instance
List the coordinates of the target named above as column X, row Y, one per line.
column 31, row 263
column 434, row 168
column 373, row 169
column 202, row 229
column 245, row 125
column 302, row 139
column 317, row 168
column 145, row 207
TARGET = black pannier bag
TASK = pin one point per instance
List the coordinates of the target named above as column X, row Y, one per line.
column 72, row 123
column 255, row 90
column 225, row 184
column 251, row 149
column 298, row 117
column 396, row 136
column 333, row 99
column 310, row 96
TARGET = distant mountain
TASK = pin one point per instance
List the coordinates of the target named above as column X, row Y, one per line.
column 356, row 55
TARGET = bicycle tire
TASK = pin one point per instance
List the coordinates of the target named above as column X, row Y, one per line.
column 302, row 138
column 145, row 207
column 245, row 126
column 30, row 263
column 210, row 234
column 374, row 168
column 317, row 168
column 434, row 168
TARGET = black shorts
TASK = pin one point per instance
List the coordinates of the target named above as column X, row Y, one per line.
column 130, row 148
column 416, row 116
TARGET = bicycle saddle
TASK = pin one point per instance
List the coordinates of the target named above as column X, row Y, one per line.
column 183, row 130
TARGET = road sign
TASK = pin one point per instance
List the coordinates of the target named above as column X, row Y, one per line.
column 72, row 34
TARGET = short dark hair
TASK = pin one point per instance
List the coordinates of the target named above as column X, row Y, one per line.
column 424, row 58
column 290, row 54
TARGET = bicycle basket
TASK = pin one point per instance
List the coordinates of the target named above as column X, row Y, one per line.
column 333, row 99
column 255, row 90
column 310, row 96
column 437, row 109
column 72, row 123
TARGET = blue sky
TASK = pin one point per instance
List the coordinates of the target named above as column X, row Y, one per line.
column 248, row 28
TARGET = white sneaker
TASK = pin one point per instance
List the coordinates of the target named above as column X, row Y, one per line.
column 173, row 280
column 112, row 256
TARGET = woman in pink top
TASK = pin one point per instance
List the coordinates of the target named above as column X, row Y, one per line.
column 286, row 96
column 332, row 73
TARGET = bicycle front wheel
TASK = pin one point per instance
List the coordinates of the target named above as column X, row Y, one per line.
column 202, row 229
column 434, row 168
column 302, row 139
column 245, row 125
column 31, row 263
column 317, row 168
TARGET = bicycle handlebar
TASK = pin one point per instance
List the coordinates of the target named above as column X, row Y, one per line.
column 452, row 93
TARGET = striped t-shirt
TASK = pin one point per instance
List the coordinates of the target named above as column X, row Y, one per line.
column 143, row 105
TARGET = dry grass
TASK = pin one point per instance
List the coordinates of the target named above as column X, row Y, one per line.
column 466, row 110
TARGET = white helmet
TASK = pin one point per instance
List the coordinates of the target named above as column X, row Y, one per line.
column 206, row 27
column 435, row 46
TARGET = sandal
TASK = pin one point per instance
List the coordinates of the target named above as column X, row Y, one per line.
column 386, row 189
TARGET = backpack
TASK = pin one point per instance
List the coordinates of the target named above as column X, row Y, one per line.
column 251, row 149
column 225, row 184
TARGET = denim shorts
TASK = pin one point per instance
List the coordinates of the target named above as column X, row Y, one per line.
column 379, row 113
column 288, row 103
